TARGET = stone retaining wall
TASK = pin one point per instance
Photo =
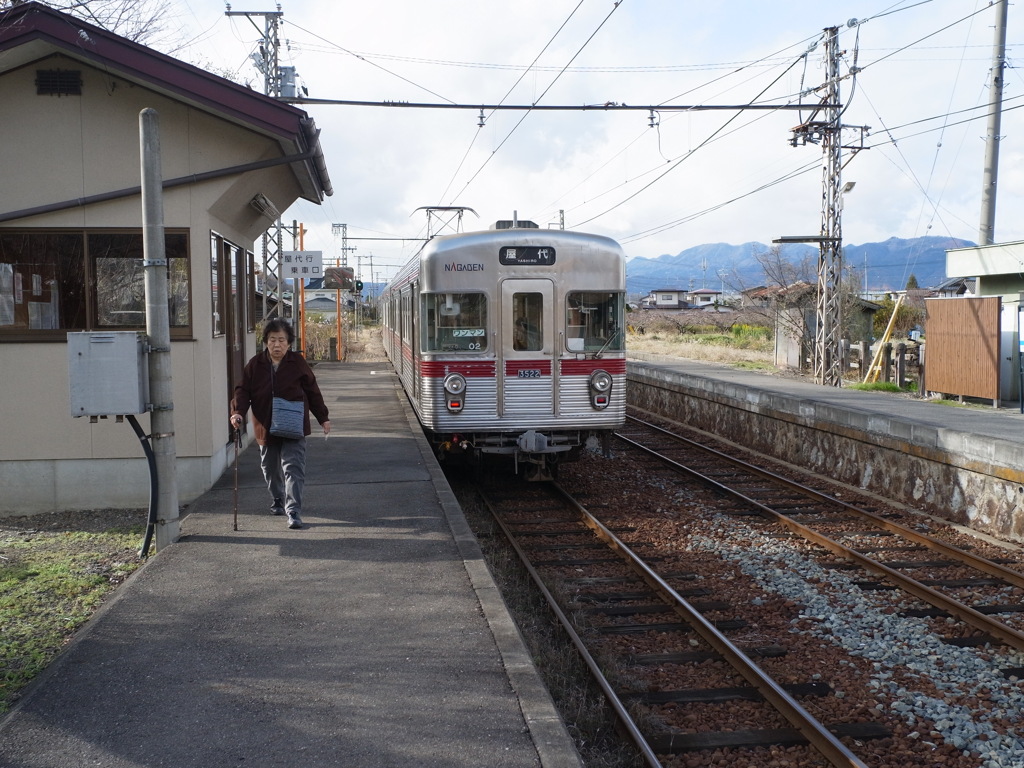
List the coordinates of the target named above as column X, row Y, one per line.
column 951, row 477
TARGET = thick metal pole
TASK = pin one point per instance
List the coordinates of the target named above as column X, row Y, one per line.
column 158, row 328
column 828, row 334
column 987, row 232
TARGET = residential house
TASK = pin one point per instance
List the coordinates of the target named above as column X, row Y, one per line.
column 703, row 297
column 955, row 287
column 666, row 298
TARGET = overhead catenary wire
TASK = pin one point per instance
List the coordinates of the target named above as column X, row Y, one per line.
column 372, row 64
column 675, row 108
column 515, row 127
column 682, row 159
column 669, row 225
column 807, row 168
column 508, row 93
column 815, row 165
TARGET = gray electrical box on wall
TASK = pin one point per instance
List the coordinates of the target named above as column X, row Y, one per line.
column 108, row 374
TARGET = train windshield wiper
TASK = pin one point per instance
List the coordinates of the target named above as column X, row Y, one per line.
column 611, row 338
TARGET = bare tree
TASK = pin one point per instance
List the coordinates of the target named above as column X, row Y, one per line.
column 787, row 298
column 781, row 299
column 142, row 21
column 781, row 272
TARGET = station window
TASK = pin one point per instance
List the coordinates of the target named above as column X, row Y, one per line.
column 120, row 279
column 454, row 322
column 527, row 322
column 232, row 287
column 52, row 282
column 594, row 321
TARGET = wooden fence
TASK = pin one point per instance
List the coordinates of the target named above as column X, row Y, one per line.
column 963, row 346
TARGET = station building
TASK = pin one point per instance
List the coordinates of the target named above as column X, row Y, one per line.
column 71, row 247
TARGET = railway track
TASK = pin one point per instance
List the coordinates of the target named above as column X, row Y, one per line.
column 589, row 574
column 654, row 547
column 981, row 592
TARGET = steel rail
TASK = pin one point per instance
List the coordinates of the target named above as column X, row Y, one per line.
column 993, row 569
column 613, row 699
column 810, row 727
column 965, row 613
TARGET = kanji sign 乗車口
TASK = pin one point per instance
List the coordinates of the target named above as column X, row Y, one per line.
column 302, row 264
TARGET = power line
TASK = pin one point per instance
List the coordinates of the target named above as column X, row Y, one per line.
column 689, row 154
column 507, row 94
column 657, row 230
column 551, row 85
column 610, row 106
column 378, row 66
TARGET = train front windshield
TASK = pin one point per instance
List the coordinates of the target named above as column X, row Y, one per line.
column 594, row 322
column 454, row 322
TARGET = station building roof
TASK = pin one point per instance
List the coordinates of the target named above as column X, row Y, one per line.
column 31, row 32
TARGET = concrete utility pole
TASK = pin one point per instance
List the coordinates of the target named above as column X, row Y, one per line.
column 987, row 232
column 158, row 329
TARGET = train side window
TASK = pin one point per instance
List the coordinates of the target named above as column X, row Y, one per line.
column 527, row 322
column 594, row 321
column 454, row 322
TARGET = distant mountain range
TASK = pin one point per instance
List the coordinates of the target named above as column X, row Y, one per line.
column 731, row 268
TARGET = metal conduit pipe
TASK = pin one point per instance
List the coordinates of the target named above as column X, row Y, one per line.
column 154, row 484
column 102, row 197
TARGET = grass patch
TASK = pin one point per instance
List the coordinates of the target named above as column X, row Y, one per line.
column 713, row 339
column 876, row 386
column 958, row 404
column 718, row 348
column 50, row 585
column 754, row 365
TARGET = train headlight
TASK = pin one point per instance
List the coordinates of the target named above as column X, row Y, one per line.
column 600, row 388
column 454, row 383
column 454, row 389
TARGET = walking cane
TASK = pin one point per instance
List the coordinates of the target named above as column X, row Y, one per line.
column 238, row 440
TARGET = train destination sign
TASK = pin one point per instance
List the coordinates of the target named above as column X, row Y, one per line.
column 541, row 255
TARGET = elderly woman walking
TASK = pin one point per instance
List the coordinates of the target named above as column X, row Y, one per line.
column 279, row 372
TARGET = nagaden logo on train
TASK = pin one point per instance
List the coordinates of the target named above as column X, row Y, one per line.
column 454, row 267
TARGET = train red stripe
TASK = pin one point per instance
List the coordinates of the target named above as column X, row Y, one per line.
column 583, row 367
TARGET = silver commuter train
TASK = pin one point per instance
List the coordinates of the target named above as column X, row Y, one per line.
column 512, row 341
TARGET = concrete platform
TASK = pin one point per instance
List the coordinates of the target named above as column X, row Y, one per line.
column 373, row 637
column 965, row 465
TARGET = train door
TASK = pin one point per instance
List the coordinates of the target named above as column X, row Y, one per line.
column 526, row 348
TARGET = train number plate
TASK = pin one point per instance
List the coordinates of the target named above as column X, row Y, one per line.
column 529, row 373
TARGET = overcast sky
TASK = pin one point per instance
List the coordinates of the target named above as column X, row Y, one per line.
column 658, row 182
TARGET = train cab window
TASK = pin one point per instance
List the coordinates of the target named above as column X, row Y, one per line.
column 527, row 322
column 454, row 322
column 594, row 321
